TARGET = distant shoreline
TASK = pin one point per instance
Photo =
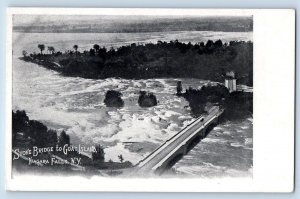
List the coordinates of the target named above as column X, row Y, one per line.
column 120, row 32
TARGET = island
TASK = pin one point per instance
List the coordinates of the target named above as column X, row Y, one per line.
column 172, row 59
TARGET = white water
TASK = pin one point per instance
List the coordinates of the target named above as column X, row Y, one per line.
column 226, row 151
column 76, row 105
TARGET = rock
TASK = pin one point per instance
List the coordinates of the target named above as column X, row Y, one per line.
column 113, row 99
column 147, row 99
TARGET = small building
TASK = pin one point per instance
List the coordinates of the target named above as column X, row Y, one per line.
column 230, row 81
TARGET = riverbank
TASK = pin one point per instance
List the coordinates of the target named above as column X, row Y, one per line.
column 238, row 105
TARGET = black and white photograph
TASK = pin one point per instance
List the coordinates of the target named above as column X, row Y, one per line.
column 127, row 95
column 123, row 96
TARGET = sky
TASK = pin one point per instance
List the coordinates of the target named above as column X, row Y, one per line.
column 74, row 19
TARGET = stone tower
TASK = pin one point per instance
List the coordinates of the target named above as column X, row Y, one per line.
column 230, row 81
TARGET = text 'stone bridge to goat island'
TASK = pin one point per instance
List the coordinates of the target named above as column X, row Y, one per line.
column 178, row 145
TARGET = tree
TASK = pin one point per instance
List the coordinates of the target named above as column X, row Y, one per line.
column 51, row 49
column 75, row 47
column 179, row 87
column 24, row 52
column 96, row 47
column 63, row 139
column 112, row 51
column 147, row 99
column 209, row 44
column 38, row 133
column 19, row 124
column 198, row 99
column 92, row 52
column 41, row 47
column 121, row 158
column 98, row 154
column 51, row 137
column 219, row 43
column 102, row 53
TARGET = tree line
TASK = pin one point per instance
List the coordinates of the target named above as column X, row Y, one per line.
column 204, row 60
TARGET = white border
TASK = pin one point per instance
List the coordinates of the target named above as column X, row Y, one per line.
column 274, row 84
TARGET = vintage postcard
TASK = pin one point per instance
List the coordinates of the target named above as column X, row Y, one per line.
column 150, row 99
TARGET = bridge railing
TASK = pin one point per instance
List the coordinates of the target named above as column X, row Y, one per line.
column 218, row 113
column 165, row 142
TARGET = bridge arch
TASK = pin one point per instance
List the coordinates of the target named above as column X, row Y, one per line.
column 193, row 142
column 174, row 160
column 209, row 128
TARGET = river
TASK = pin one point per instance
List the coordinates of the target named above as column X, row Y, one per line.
column 76, row 105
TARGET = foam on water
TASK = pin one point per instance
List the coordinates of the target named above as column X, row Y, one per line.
column 113, row 152
column 77, row 105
